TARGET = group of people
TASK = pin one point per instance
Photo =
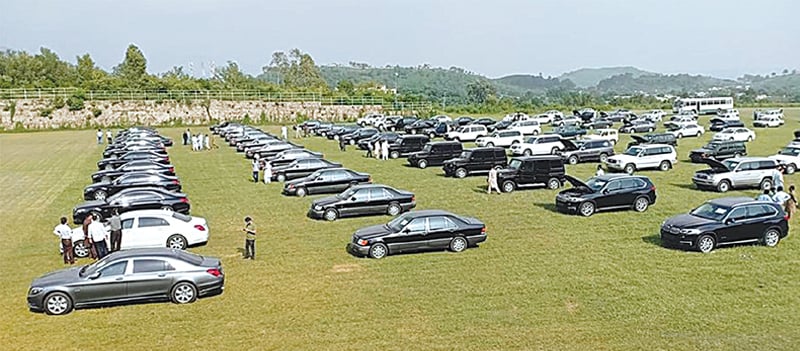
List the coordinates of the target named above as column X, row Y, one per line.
column 198, row 141
column 379, row 149
column 94, row 237
column 109, row 136
column 261, row 165
column 778, row 194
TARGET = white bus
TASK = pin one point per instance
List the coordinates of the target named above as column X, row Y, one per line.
column 702, row 105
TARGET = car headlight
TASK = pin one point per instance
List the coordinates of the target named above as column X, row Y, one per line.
column 363, row 242
column 35, row 291
column 317, row 207
column 574, row 199
column 690, row 231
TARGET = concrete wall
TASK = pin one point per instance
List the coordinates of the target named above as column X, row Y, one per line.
column 112, row 113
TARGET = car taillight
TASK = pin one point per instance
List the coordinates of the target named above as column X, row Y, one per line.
column 185, row 200
column 199, row 227
column 172, row 169
column 175, row 182
column 483, row 230
column 786, row 217
column 213, row 271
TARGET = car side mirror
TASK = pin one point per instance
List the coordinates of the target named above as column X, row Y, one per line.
column 406, row 231
column 94, row 275
column 353, row 198
column 730, row 221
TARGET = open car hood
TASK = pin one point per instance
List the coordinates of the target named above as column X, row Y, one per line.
column 576, row 183
column 797, row 134
column 714, row 164
column 639, row 139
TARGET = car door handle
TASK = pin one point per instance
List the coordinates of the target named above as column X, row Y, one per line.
column 118, row 279
column 162, row 275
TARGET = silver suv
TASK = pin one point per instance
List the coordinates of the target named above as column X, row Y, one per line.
column 746, row 172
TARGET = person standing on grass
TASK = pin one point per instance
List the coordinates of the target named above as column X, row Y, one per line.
column 342, row 144
column 115, row 225
column 250, row 238
column 98, row 234
column 87, row 239
column 492, row 180
column 267, row 172
column 369, row 150
column 790, row 206
column 186, row 135
column 377, row 149
column 599, row 171
column 108, row 136
column 284, row 133
column 256, row 168
column 385, row 150
column 213, row 142
column 777, row 177
column 780, row 196
column 65, row 234
column 99, row 136
column 296, row 132
column 207, row 142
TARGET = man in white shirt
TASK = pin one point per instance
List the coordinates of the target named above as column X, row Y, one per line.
column 98, row 234
column 599, row 171
column 780, row 196
column 99, row 137
column 284, row 133
column 206, row 141
column 64, row 233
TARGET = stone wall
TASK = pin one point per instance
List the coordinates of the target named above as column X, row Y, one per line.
column 28, row 113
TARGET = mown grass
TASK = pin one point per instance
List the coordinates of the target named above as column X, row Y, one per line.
column 543, row 280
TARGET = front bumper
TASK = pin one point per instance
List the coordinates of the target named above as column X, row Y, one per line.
column 677, row 240
column 357, row 250
column 567, row 206
column 315, row 214
column 704, row 183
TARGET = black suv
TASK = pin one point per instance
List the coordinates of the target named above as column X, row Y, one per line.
column 607, row 192
column 532, row 171
column 475, row 160
column 718, row 150
column 585, row 151
column 718, row 124
column 434, row 154
column 407, row 144
column 660, row 138
column 726, row 221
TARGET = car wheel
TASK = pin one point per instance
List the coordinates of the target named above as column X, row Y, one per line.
column 489, row 144
column 422, row 164
column 432, row 135
column 176, row 241
column 603, row 157
column 330, row 215
column 766, row 184
column 96, row 214
column 586, row 209
column 527, row 152
column 630, row 168
column 378, row 251
column 664, row 166
column 705, row 243
column 535, row 132
column 183, row 293
column 679, row 136
column 167, row 208
column 509, row 186
column 461, row 173
column 737, row 155
column 57, row 303
column 352, row 141
column 394, row 209
column 553, row 184
column 723, row 186
column 105, row 179
column 641, row 204
column 281, row 177
column 649, row 130
column 80, row 249
column 791, row 168
column 573, row 160
column 749, row 138
column 771, row 237
column 100, row 195
column 458, row 244
column 394, row 154
column 457, row 139
column 301, row 192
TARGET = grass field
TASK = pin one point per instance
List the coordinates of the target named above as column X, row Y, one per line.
column 543, row 280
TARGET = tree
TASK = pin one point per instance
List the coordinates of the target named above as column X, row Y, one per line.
column 480, row 91
column 231, row 76
column 297, row 70
column 345, row 86
column 133, row 69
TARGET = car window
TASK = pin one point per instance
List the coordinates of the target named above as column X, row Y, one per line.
column 766, row 165
column 614, row 185
column 145, row 222
column 440, row 223
column 113, row 269
column 147, row 266
column 361, row 195
column 340, row 175
column 738, row 213
column 416, row 225
column 378, row 194
column 632, row 183
column 755, row 211
column 127, row 224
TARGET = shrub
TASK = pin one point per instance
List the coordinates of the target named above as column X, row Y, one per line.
column 58, row 103
column 46, row 112
column 75, row 103
column 96, row 112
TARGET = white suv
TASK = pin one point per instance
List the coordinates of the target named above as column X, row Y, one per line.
column 468, row 132
column 789, row 157
column 503, row 138
column 529, row 127
column 369, row 119
column 539, row 145
column 690, row 129
column 611, row 135
column 654, row 156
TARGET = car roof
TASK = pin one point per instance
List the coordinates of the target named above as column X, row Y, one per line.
column 425, row 213
column 613, row 176
column 734, row 201
column 140, row 213
column 538, row 157
column 368, row 186
column 648, row 146
column 145, row 252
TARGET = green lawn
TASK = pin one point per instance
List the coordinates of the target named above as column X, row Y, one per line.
column 542, row 280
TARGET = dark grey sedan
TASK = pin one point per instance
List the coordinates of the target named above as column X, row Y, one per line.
column 128, row 276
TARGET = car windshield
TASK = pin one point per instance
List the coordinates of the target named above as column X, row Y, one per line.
column 93, row 267
column 399, row 223
column 790, row 151
column 731, row 163
column 710, row 211
column 634, row 151
column 596, row 183
column 673, row 128
column 464, row 154
column 347, row 193
column 515, row 164
column 181, row 216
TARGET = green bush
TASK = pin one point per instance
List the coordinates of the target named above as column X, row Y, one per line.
column 96, row 112
column 46, row 112
column 75, row 103
column 58, row 103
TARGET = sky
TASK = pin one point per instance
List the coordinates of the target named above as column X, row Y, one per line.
column 712, row 37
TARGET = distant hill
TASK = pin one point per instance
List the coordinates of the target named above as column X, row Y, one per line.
column 660, row 83
column 527, row 82
column 589, row 77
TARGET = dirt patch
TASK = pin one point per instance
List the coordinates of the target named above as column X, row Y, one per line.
column 345, row 268
column 572, row 306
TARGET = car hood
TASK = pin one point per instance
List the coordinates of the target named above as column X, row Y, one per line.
column 714, row 164
column 685, row 221
column 456, row 159
column 58, row 277
column 325, row 201
column 623, row 158
column 371, row 232
column 577, row 183
column 701, row 150
column 90, row 205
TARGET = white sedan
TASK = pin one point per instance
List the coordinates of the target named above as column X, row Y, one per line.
column 735, row 134
column 152, row 228
column 680, row 131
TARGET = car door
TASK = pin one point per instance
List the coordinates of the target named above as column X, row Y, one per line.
column 611, row 195
column 150, row 278
column 110, row 284
column 152, row 232
column 378, row 202
column 746, row 174
column 527, row 172
column 413, row 235
column 357, row 203
column 734, row 226
column 441, row 231
column 130, row 236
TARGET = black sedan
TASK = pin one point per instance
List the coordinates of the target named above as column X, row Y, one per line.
column 390, row 137
column 372, row 199
column 419, row 126
column 638, row 126
column 325, row 181
column 128, row 276
column 726, row 221
column 112, row 163
column 337, row 132
column 484, row 121
column 418, row 230
column 462, row 121
column 133, row 166
column 133, row 199
column 99, row 191
column 718, row 124
column 288, row 156
column 301, row 168
column 607, row 192
column 358, row 135
column 499, row 125
column 115, row 151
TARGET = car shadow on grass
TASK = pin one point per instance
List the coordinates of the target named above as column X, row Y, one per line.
column 685, row 186
column 547, row 206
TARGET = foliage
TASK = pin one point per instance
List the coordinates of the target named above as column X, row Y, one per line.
column 58, row 103
column 133, row 69
column 590, row 77
column 480, row 91
column 297, row 70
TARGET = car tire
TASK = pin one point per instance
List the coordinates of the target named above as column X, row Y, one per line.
column 281, row 177
column 509, row 186
column 553, row 183
column 527, row 152
column 603, row 157
column 573, row 160
column 183, row 293
column 301, row 192
column 679, row 136
column 586, row 209
column 394, row 209
column 458, row 244
column 432, row 135
column 771, row 237
column 57, row 303
column 457, row 139
column 422, row 164
column 106, row 179
column 724, row 186
column 96, row 214
column 630, row 168
column 330, row 215
column 461, row 173
column 378, row 251
column 489, row 144
column 352, row 141
column 791, row 168
column 535, row 132
column 664, row 166
column 766, row 184
column 705, row 243
column 641, row 204
column 80, row 250
column 394, row 154
column 649, row 130
column 100, row 195
column 177, row 241
column 737, row 155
